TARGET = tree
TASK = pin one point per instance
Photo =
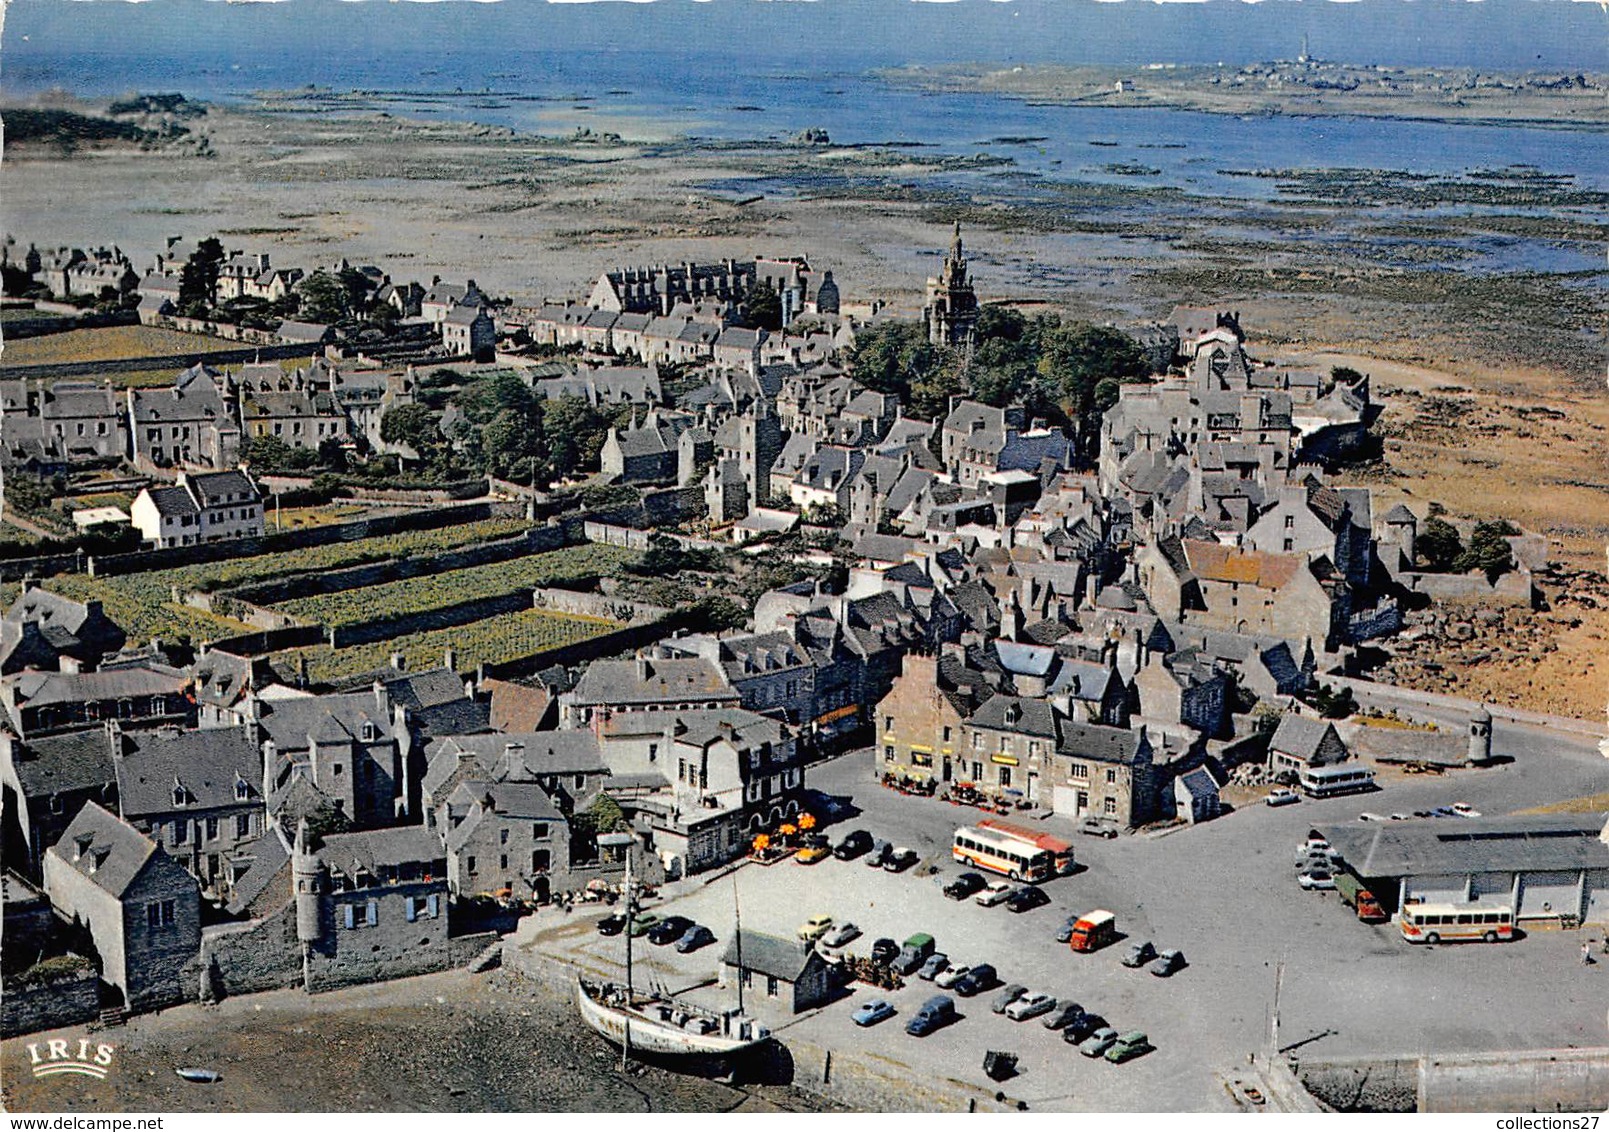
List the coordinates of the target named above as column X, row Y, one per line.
column 198, row 279
column 574, row 431
column 607, row 816
column 1438, row 544
column 1076, row 359
column 324, row 298
column 764, row 308
column 413, row 425
column 892, row 356
column 1488, row 550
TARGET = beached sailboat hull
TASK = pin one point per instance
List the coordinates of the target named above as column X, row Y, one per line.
column 651, row 1028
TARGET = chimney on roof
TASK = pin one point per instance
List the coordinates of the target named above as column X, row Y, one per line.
column 398, row 664
column 644, row 669
column 449, row 659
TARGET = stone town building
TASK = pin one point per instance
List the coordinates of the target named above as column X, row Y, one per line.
column 142, row 693
column 505, row 838
column 1299, row 743
column 1108, row 772
column 190, row 423
column 979, row 440
column 1005, row 745
column 951, row 313
column 920, row 724
column 784, row 971
column 469, row 332
column 370, row 906
column 140, row 906
column 84, row 421
column 196, row 793
column 351, row 749
column 46, row 631
column 567, row 765
column 46, row 781
column 612, row 693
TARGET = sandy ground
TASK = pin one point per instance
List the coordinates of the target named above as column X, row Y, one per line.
column 452, row 1042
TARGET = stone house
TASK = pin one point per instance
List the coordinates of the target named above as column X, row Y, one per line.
column 611, row 692
column 143, row 693
column 1107, row 772
column 189, row 423
column 1005, row 745
column 1195, row 792
column 920, row 723
column 568, row 765
column 505, row 838
column 301, row 418
column 84, row 420
column 1299, row 743
column 140, row 906
column 198, row 794
column 45, row 782
column 771, row 969
column 1213, row 586
column 772, row 673
column 1184, row 689
column 468, row 331
column 370, row 905
column 47, row 631
column 353, row 749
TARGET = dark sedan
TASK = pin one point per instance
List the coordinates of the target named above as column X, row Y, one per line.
column 669, row 930
column 964, row 886
column 976, row 980
column 1026, row 898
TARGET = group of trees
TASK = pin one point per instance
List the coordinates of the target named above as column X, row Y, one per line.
column 1068, row 372
column 507, row 431
column 1442, row 550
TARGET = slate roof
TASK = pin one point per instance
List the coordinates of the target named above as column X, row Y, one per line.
column 1435, row 846
column 210, row 765
column 107, row 850
column 78, row 760
column 214, row 488
column 1199, row 783
column 36, row 688
column 1299, row 736
column 269, row 857
column 1036, row 716
column 744, row 728
column 782, row 959
column 1103, row 744
column 650, row 680
column 377, row 849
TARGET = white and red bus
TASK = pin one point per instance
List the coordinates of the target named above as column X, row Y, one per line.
column 1002, row 853
column 1451, row 923
column 1061, row 851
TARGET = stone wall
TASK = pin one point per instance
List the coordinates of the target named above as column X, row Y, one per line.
column 259, row 955
column 1562, row 1080
column 50, row 1005
column 596, row 605
column 1383, row 1084
column 273, row 640
column 392, row 948
column 442, row 617
column 1513, row 588
column 625, row 640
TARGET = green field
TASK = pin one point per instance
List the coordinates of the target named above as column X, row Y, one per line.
column 491, row 641
column 143, row 603
column 415, row 595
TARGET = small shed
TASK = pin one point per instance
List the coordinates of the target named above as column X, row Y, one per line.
column 1196, row 793
column 1299, row 742
column 782, row 970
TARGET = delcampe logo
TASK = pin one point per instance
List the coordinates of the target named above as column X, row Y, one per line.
column 48, row 1059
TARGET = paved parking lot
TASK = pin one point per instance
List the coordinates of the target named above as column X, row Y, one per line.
column 1225, row 893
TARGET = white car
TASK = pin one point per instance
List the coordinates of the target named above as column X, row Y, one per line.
column 1317, row 880
column 1312, row 847
column 996, row 893
column 1367, row 816
column 952, row 975
column 1464, row 810
column 1281, row 796
column 1030, row 1005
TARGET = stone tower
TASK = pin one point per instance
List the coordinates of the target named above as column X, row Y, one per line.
column 760, row 444
column 1480, row 737
column 952, row 305
column 308, row 876
column 827, row 300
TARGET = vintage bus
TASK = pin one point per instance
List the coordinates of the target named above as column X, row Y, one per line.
column 1451, row 923
column 1061, row 851
column 1341, row 778
column 1002, row 853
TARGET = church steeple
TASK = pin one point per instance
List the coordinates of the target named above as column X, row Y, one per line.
column 952, row 305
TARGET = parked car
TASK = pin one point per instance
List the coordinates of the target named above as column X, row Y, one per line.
column 1430, row 814
column 1367, row 816
column 1444, row 812
column 978, row 979
column 1027, row 898
column 1307, row 848
column 1097, row 827
column 669, row 930
column 1010, row 993
column 900, row 860
column 1465, row 810
column 1079, row 1029
column 871, row 1013
column 815, row 927
column 1098, row 1042
column 855, row 842
column 1317, row 880
column 951, row 975
column 1282, row 796
column 935, row 1012
column 641, row 922
column 884, row 951
column 992, row 894
column 964, row 886
column 694, row 938
column 1064, row 1012
column 877, row 854
column 1065, row 932
column 1130, row 1045
column 612, row 925
column 814, row 852
column 1030, row 1005
column 1139, row 954
column 1399, row 817
column 934, row 967
column 840, row 935
column 1166, row 962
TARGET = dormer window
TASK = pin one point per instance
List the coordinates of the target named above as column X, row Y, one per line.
column 180, row 794
column 242, row 789
column 370, row 732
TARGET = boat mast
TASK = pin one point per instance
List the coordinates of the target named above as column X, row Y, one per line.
column 631, row 919
column 737, row 941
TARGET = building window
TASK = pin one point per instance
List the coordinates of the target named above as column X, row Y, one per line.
column 1290, row 522
column 771, row 985
column 947, row 734
column 1111, row 805
column 1005, row 776
column 160, row 914
column 470, row 864
column 541, row 860
column 502, row 839
column 181, row 832
column 539, row 831
column 1078, row 770
column 653, row 752
column 1111, row 777
column 242, row 825
column 212, row 829
column 502, row 862
column 1083, row 800
column 888, row 723
column 242, row 790
column 888, row 754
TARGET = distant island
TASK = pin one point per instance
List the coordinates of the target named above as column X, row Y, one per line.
column 1303, row 86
